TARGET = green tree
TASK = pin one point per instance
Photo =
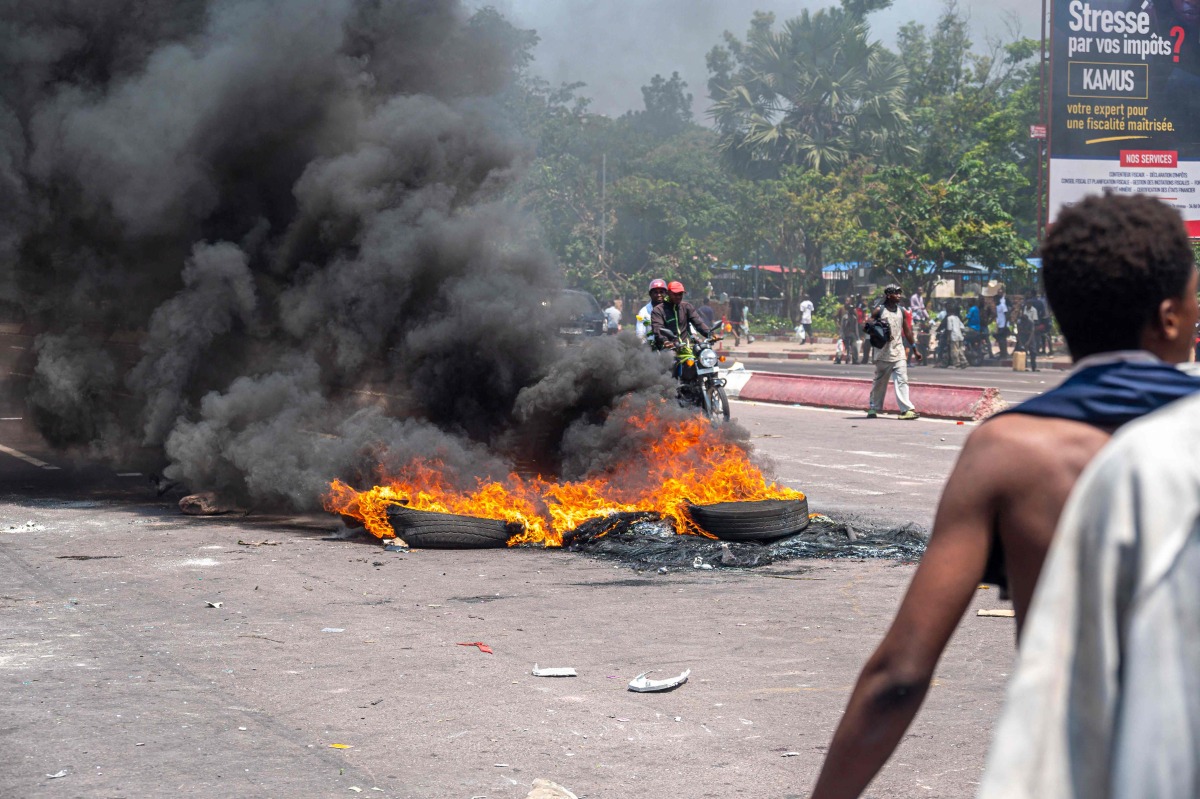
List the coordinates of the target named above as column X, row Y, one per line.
column 917, row 225
column 817, row 93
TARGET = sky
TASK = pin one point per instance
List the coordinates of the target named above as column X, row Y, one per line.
column 616, row 46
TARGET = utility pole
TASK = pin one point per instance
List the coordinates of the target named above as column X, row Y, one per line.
column 1040, row 224
column 603, row 212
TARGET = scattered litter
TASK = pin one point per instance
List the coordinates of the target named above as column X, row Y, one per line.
column 258, row 543
column 203, row 504
column 985, row 588
column 141, row 744
column 213, row 604
column 27, row 527
column 501, row 765
column 623, row 720
column 1003, row 613
column 698, row 563
column 662, row 569
column 482, row 646
column 333, row 629
column 57, row 774
column 790, row 754
column 396, row 545
column 355, row 788
column 958, row 422
column 88, row 557
column 545, row 789
column 243, row 729
column 643, row 685
column 555, row 672
column 336, row 746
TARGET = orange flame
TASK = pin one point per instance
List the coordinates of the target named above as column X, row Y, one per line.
column 691, row 463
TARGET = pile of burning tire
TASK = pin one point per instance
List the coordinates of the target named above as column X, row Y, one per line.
column 763, row 520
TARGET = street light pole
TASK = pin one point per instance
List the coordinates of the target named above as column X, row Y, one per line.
column 1040, row 225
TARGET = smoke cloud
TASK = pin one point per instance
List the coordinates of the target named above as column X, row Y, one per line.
column 267, row 242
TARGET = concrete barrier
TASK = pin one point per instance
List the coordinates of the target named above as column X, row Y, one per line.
column 931, row 399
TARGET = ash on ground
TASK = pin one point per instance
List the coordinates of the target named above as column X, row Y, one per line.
column 646, row 540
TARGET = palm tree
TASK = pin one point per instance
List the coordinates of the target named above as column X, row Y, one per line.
column 816, row 94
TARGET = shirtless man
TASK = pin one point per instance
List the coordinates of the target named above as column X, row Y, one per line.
column 1004, row 497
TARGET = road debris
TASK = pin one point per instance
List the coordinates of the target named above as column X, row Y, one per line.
column 333, row 629
column 203, row 504
column 482, row 646
column 545, row 789
column 554, row 672
column 396, row 545
column 341, row 746
column 258, row 543
column 790, row 754
column 213, row 604
column 57, row 774
column 1002, row 613
column 643, row 685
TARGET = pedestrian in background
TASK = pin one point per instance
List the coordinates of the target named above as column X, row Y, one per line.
column 806, row 312
column 956, row 333
column 848, row 329
column 612, row 317
column 736, row 317
column 707, row 313
column 1002, row 323
column 890, row 361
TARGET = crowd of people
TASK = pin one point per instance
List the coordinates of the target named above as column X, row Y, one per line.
column 958, row 333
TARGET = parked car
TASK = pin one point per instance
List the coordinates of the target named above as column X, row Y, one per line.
column 578, row 315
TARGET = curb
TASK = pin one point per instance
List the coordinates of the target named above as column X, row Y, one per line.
column 938, row 401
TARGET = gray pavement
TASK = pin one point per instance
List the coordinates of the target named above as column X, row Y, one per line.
column 121, row 676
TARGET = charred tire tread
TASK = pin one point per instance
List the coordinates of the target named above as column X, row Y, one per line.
column 752, row 521
column 430, row 530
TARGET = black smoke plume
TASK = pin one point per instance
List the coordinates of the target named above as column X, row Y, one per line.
column 268, row 242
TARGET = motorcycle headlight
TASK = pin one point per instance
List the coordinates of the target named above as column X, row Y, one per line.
column 708, row 359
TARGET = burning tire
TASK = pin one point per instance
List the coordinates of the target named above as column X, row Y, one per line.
column 763, row 520
column 424, row 529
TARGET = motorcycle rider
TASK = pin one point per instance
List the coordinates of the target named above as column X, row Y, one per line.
column 669, row 324
column 658, row 294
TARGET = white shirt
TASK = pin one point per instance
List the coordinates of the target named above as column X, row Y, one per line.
column 955, row 327
column 643, row 320
column 806, row 312
column 1001, row 312
column 1105, row 700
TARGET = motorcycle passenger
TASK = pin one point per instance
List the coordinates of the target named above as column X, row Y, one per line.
column 658, row 294
column 669, row 323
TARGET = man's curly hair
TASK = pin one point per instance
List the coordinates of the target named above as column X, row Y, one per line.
column 1108, row 262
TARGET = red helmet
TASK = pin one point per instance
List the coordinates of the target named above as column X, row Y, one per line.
column 657, row 283
column 675, row 287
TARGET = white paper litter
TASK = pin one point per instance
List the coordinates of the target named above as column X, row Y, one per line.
column 555, row 672
column 643, row 685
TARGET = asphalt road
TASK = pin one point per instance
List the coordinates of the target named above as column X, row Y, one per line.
column 122, row 676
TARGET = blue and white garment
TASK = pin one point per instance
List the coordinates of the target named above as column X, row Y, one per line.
column 1105, row 700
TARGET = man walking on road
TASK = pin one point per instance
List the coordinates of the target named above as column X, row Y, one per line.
column 890, row 361
column 1124, row 260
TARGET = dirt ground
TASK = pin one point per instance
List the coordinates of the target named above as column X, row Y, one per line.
column 122, row 677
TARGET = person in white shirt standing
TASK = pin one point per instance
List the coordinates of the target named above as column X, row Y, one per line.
column 956, row 331
column 890, row 361
column 1002, row 323
column 806, row 312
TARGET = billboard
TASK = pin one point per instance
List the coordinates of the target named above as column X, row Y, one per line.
column 1125, row 101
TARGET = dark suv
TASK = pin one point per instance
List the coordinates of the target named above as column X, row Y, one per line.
column 578, row 314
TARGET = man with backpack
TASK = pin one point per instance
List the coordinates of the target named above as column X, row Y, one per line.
column 889, row 327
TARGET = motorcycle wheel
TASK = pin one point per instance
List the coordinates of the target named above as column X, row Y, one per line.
column 716, row 404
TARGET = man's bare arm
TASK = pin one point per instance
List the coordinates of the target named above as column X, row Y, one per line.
column 896, row 677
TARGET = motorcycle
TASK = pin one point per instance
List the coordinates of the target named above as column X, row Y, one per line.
column 700, row 383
